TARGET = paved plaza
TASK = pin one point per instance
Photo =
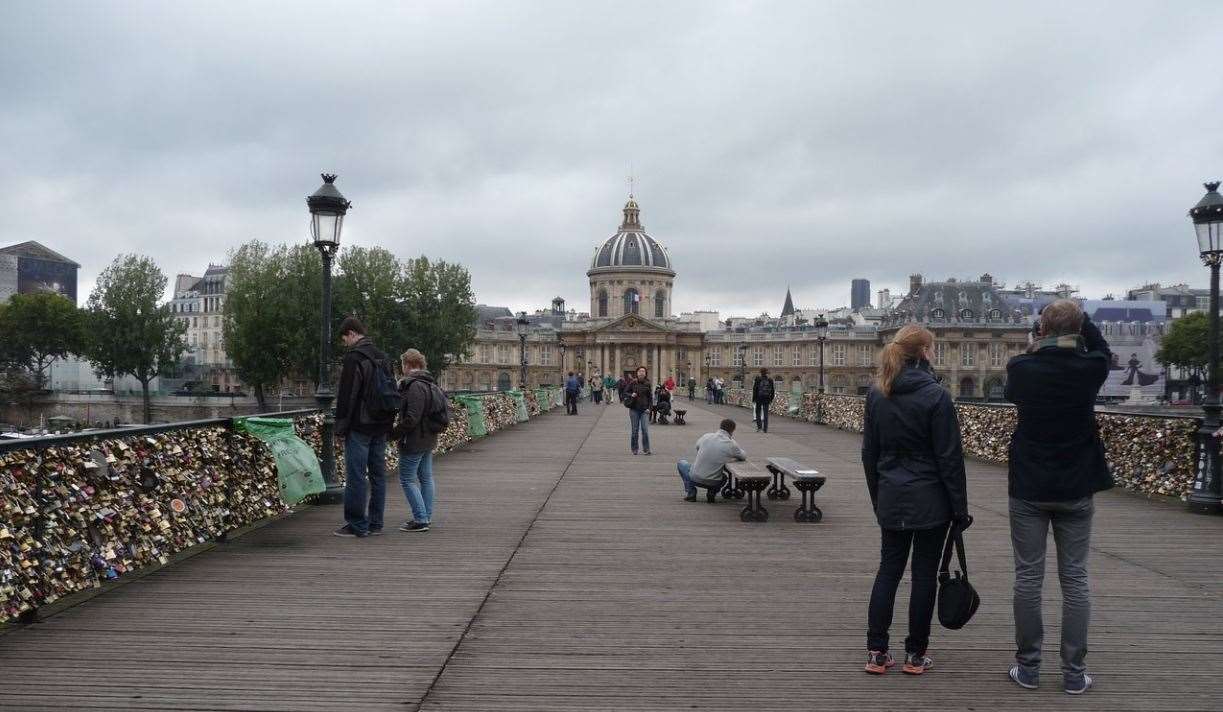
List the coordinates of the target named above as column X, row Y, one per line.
column 564, row 574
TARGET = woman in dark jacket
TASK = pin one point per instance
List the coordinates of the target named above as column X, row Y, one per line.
column 914, row 465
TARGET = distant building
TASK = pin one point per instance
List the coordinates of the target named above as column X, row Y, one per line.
column 1179, row 299
column 860, row 294
column 31, row 268
column 199, row 302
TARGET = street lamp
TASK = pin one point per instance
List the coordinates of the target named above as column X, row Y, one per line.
column 821, row 334
column 560, row 347
column 327, row 210
column 1207, row 497
column 742, row 365
column 522, row 325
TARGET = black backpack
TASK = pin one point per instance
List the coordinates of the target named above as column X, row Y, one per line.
column 957, row 599
column 380, row 397
column 436, row 417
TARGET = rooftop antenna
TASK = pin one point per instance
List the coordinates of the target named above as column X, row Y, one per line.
column 631, row 180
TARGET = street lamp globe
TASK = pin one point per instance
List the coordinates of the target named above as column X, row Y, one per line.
column 327, row 210
column 821, row 327
column 1208, row 222
column 521, row 324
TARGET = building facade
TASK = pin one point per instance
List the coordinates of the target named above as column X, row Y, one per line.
column 632, row 280
column 860, row 294
column 199, row 302
column 32, row 268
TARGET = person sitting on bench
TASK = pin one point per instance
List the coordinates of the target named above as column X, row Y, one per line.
column 713, row 451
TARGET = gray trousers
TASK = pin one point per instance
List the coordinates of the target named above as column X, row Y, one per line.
column 1072, row 534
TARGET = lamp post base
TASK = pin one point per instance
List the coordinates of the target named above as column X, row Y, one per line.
column 334, row 494
column 1205, row 505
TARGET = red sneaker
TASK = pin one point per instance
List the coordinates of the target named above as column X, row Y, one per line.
column 916, row 664
column 878, row 663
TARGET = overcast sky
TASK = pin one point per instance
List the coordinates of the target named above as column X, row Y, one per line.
column 773, row 143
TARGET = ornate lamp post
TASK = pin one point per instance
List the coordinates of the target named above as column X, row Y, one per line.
column 560, row 347
column 742, row 365
column 1207, row 218
column 521, row 324
column 821, row 335
column 327, row 210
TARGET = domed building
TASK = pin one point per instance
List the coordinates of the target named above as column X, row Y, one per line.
column 630, row 272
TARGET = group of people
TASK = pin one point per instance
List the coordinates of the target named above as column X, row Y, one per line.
column 372, row 410
column 715, row 391
column 913, row 460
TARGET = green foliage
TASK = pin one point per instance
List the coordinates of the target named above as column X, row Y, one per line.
column 1185, row 345
column 128, row 332
column 38, row 328
column 406, row 304
column 255, row 323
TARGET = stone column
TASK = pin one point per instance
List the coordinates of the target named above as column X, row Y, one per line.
column 619, row 365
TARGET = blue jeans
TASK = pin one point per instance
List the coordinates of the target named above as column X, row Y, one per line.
column 639, row 420
column 416, row 477
column 684, row 468
column 364, row 481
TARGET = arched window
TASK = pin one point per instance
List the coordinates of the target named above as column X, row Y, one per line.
column 503, row 381
column 937, row 314
column 602, row 302
column 966, row 315
column 660, row 304
column 995, row 314
column 632, row 301
column 968, row 387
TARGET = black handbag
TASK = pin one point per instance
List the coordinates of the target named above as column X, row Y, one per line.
column 957, row 599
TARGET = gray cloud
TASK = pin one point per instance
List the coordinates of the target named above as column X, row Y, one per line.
column 774, row 143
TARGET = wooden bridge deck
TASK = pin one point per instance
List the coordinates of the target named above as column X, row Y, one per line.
column 564, row 574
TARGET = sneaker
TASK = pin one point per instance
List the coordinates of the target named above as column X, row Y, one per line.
column 878, row 663
column 349, row 533
column 375, row 532
column 414, row 527
column 634, row 452
column 1083, row 686
column 916, row 664
column 690, row 497
column 1019, row 677
column 647, row 452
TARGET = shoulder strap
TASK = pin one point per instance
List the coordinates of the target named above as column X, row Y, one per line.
column 955, row 539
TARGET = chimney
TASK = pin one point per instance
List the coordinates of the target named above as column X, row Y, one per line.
column 914, row 283
column 987, row 278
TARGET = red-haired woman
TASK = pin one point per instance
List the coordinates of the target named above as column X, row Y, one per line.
column 914, row 466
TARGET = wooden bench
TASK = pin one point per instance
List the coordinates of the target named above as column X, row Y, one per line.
column 750, row 478
column 807, row 481
column 679, row 416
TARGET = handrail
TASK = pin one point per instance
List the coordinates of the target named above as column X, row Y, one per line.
column 69, row 438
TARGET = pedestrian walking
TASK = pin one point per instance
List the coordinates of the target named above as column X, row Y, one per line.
column 571, row 394
column 1056, row 466
column 596, row 388
column 581, row 386
column 637, row 398
column 669, row 384
column 610, row 384
column 363, row 421
column 914, row 465
column 762, row 397
column 424, row 415
column 691, row 388
column 710, row 391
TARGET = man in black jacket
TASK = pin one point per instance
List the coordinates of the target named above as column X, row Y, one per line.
column 364, row 436
column 1056, row 464
column 762, row 396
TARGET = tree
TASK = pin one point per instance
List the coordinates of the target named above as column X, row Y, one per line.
column 438, row 310
column 37, row 329
column 368, row 287
column 128, row 331
column 303, row 292
column 1185, row 345
column 255, row 324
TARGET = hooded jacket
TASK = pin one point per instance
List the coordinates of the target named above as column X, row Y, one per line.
column 638, row 395
column 359, row 361
column 417, row 388
column 911, row 453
